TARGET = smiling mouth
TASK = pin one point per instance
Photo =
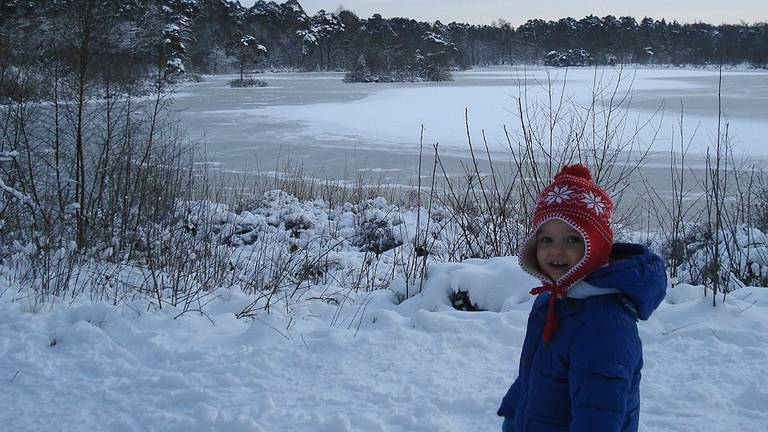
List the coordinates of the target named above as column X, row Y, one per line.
column 558, row 264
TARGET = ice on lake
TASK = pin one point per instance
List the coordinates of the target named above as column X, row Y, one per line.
column 339, row 129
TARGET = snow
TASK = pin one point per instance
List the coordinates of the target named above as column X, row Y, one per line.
column 393, row 116
column 371, row 365
column 319, row 120
column 495, row 284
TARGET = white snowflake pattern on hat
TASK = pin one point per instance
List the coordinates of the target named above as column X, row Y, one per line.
column 559, row 194
column 594, row 202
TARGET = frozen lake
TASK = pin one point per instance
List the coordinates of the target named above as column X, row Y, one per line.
column 339, row 130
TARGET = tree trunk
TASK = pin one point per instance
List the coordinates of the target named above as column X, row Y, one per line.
column 84, row 57
column 242, row 63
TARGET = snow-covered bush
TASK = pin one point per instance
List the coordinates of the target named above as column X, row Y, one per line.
column 247, row 82
column 19, row 84
column 744, row 259
column 759, row 213
column 571, row 57
column 422, row 75
column 376, row 229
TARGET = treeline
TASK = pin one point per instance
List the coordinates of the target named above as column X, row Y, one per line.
column 213, row 36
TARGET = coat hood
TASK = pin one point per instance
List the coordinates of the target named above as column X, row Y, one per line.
column 637, row 273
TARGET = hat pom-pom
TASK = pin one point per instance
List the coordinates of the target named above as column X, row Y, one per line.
column 576, row 170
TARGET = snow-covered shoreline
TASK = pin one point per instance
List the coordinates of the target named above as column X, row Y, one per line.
column 344, row 349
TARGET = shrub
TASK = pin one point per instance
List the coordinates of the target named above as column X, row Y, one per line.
column 247, row 82
column 571, row 57
column 461, row 301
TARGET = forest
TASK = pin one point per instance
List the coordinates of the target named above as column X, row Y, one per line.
column 171, row 37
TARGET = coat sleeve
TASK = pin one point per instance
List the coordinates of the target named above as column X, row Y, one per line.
column 507, row 408
column 603, row 359
column 530, row 344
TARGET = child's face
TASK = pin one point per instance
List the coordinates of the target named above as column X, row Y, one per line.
column 559, row 247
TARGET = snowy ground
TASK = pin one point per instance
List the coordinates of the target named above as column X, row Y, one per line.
column 370, row 366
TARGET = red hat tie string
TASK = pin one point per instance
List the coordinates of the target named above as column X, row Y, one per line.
column 551, row 324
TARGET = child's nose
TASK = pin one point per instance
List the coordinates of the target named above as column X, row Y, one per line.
column 561, row 246
column 558, row 248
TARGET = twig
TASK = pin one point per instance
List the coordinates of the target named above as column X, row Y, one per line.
column 752, row 304
column 273, row 328
column 305, row 343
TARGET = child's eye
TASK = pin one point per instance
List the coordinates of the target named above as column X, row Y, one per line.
column 574, row 239
column 545, row 239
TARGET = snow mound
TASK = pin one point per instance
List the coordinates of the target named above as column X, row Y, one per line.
column 496, row 284
column 683, row 293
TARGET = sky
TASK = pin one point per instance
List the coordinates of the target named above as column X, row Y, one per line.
column 518, row 12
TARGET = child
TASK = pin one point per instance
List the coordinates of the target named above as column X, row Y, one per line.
column 581, row 359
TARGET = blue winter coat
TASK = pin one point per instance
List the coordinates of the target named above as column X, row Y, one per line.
column 587, row 379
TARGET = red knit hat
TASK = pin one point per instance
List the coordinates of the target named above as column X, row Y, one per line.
column 573, row 198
